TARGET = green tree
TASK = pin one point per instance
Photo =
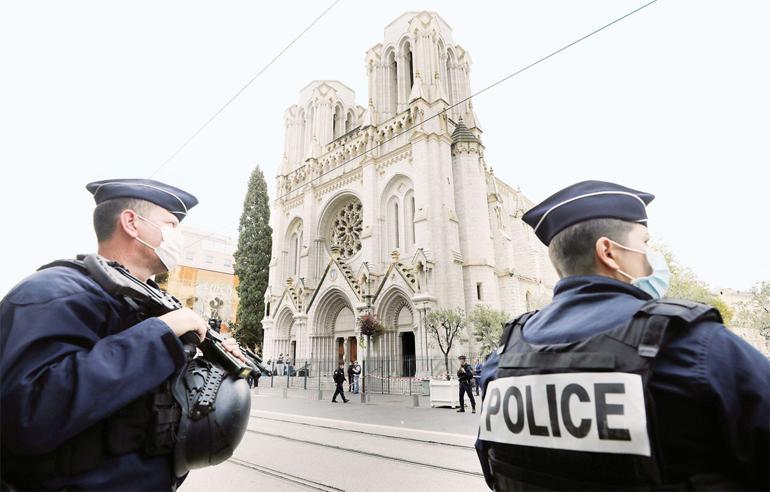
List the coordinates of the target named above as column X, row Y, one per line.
column 487, row 326
column 755, row 313
column 252, row 260
column 685, row 284
column 446, row 326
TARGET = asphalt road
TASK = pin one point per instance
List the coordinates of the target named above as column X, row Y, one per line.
column 303, row 444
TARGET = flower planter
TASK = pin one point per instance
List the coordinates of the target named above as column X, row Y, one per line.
column 444, row 393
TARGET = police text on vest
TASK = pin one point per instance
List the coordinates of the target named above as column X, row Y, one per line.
column 586, row 411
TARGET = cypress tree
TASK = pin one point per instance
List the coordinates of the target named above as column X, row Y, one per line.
column 252, row 260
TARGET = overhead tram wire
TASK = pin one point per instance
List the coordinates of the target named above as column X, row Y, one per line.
column 494, row 84
column 242, row 89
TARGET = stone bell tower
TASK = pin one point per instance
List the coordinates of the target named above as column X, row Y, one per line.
column 417, row 59
column 326, row 111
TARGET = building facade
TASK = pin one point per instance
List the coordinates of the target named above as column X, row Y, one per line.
column 204, row 280
column 391, row 208
column 758, row 337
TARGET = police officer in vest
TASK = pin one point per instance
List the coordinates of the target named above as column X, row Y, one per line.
column 465, row 378
column 77, row 364
column 610, row 386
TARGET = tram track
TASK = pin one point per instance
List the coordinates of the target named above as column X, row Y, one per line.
column 361, row 452
column 364, row 432
column 284, row 476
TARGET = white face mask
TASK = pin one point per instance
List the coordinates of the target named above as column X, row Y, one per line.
column 169, row 251
column 655, row 284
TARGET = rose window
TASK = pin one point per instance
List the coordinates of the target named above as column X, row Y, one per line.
column 346, row 229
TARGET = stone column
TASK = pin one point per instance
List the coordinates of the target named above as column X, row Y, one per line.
column 267, row 342
column 311, row 355
column 301, row 329
column 423, row 304
column 399, row 354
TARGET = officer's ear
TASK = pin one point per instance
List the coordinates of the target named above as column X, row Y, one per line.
column 127, row 222
column 606, row 254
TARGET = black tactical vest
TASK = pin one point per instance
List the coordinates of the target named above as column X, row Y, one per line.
column 572, row 416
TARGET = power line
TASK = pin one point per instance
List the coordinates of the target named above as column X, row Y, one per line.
column 237, row 94
column 507, row 77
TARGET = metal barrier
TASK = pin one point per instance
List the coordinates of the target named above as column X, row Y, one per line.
column 383, row 375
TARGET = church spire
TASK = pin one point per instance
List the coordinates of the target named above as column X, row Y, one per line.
column 462, row 134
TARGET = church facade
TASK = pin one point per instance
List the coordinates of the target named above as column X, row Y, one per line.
column 391, row 208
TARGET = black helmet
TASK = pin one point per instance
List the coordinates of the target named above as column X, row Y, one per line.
column 215, row 412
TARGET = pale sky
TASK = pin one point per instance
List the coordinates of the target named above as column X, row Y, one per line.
column 673, row 100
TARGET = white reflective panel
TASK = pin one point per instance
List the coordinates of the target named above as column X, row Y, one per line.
column 588, row 411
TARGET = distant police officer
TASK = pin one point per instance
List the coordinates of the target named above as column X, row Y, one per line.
column 77, row 365
column 339, row 378
column 465, row 377
column 610, row 387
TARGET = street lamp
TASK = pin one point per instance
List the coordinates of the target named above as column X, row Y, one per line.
column 368, row 298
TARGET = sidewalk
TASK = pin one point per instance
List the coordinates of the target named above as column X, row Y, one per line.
column 384, row 410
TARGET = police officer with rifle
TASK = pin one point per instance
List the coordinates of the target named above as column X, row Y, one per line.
column 465, row 378
column 101, row 389
column 611, row 386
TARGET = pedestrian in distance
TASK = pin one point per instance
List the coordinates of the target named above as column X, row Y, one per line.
column 339, row 378
column 81, row 367
column 477, row 375
column 465, row 376
column 279, row 365
column 356, row 376
column 612, row 386
column 350, row 377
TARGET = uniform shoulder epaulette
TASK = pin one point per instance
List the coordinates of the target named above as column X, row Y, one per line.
column 77, row 264
column 683, row 309
column 509, row 327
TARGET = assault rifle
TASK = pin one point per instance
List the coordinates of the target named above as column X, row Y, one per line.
column 148, row 300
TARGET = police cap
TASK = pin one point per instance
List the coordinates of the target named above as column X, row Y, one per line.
column 585, row 201
column 176, row 201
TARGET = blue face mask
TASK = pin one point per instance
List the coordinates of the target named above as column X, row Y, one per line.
column 656, row 284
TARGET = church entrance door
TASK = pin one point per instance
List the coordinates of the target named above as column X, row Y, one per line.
column 409, row 362
column 340, row 350
column 353, row 344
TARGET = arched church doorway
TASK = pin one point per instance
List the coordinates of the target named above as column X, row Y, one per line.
column 334, row 326
column 396, row 344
